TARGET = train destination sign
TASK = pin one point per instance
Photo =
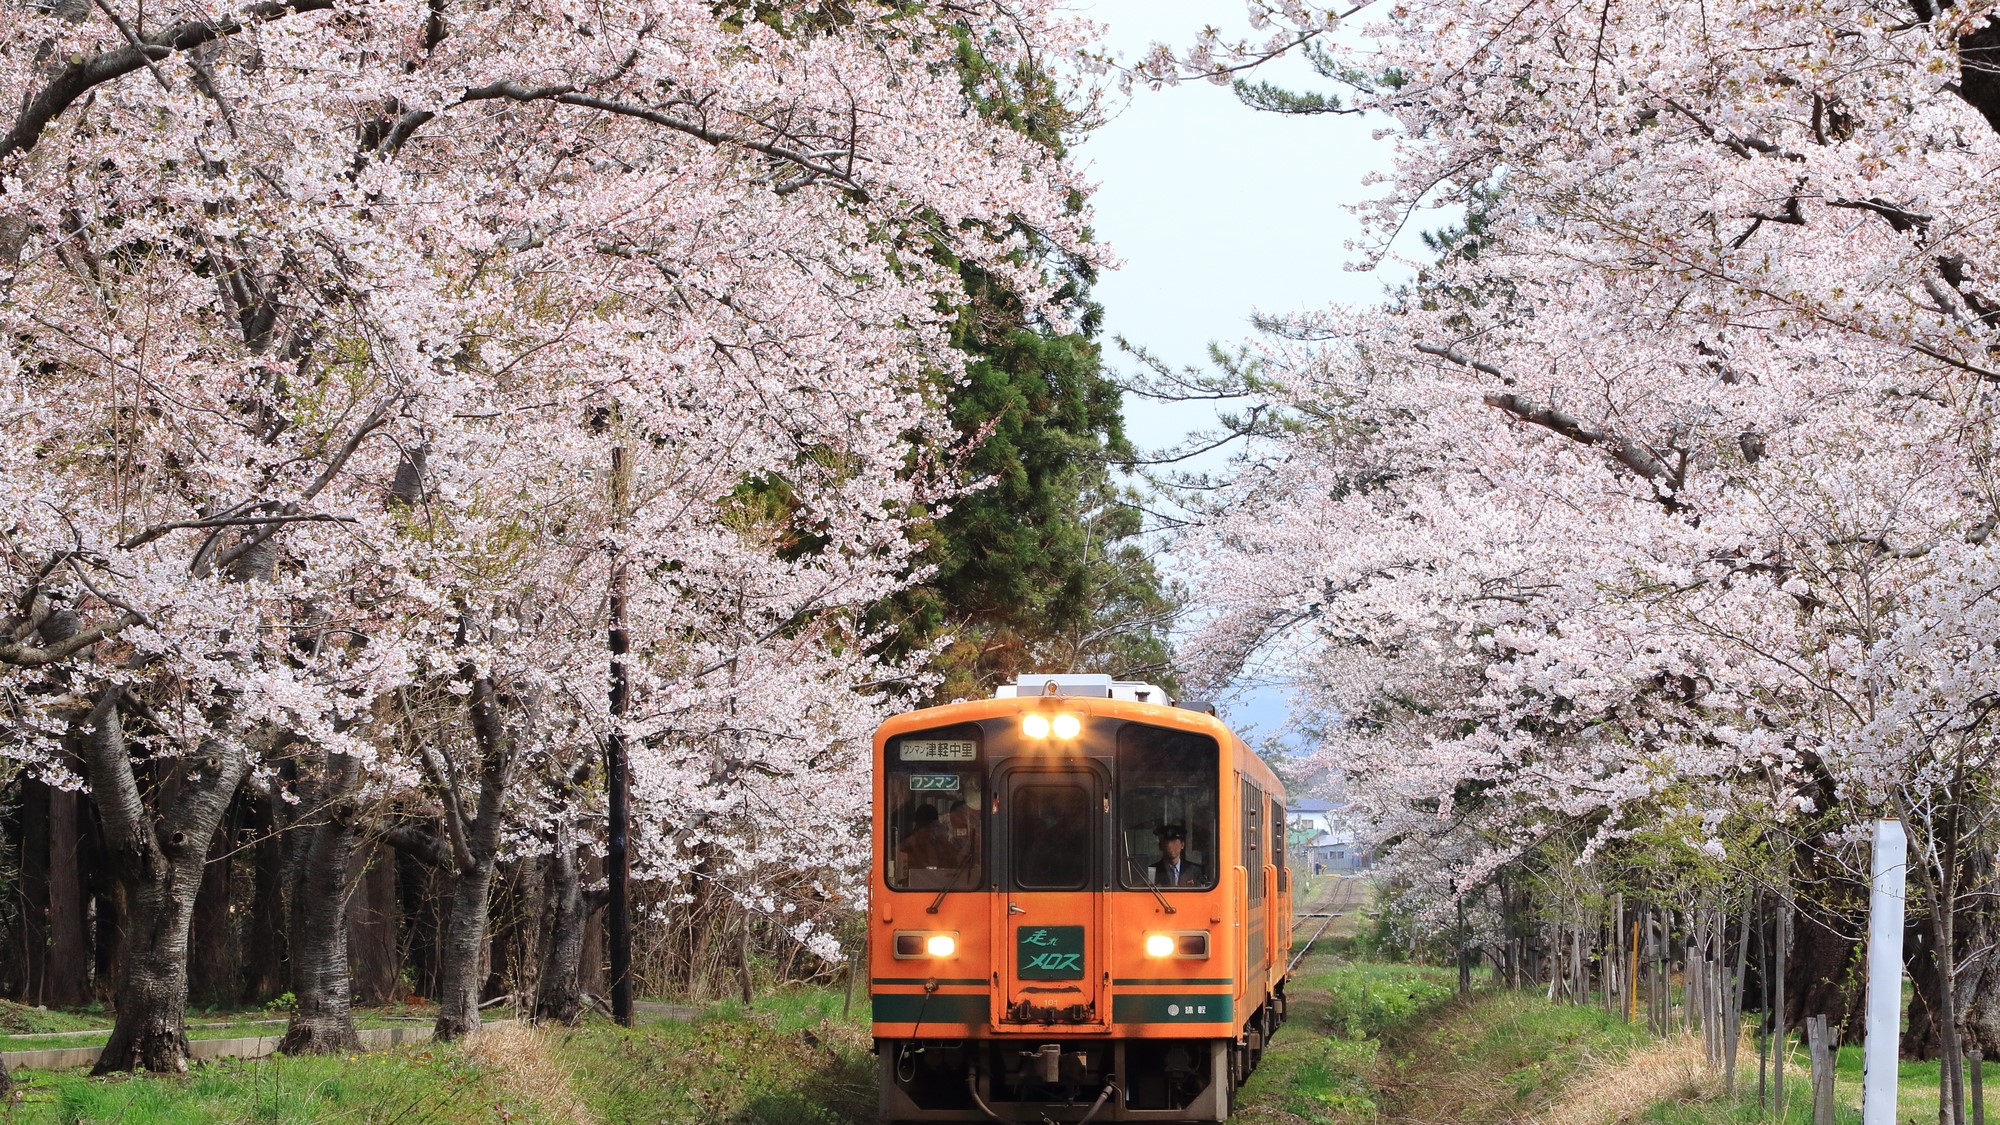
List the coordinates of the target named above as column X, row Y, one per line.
column 939, row 750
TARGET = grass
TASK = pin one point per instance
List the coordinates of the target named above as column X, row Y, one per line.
column 789, row 1060
column 1497, row 1056
column 1371, row 1042
column 1324, row 1064
column 1916, row 1094
column 19, row 1019
column 406, row 1086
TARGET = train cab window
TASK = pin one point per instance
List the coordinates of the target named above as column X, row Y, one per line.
column 934, row 794
column 1050, row 834
column 1168, row 783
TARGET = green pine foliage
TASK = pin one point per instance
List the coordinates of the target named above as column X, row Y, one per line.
column 1044, row 566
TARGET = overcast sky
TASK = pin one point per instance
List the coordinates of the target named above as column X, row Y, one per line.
column 1218, row 212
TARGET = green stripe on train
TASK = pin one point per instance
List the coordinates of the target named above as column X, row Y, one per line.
column 937, row 1007
column 1174, row 1007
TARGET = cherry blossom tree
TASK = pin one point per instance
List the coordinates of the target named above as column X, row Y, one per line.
column 1625, row 505
column 320, row 317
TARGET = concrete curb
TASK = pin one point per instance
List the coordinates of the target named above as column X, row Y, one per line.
column 657, row 1010
column 252, row 1047
column 100, row 1031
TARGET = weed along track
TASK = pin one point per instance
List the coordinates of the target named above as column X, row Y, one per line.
column 1371, row 1042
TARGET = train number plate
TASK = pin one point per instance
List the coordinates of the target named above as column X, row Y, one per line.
column 934, row 783
column 1048, row 953
column 939, row 750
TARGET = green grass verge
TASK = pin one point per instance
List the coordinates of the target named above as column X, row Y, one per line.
column 1371, row 1042
column 788, row 1060
column 407, row 1086
column 1324, row 1064
column 1500, row 1055
column 1916, row 1093
column 19, row 1019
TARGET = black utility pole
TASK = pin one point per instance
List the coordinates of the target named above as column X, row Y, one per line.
column 617, row 859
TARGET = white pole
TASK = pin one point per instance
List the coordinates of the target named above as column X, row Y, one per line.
column 1885, row 974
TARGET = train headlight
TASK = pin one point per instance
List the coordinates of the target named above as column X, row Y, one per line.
column 1188, row 945
column 915, row 944
column 1035, row 726
column 1066, row 726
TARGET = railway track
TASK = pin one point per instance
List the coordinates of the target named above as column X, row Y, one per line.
column 1341, row 905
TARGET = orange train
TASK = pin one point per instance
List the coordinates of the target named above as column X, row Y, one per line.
column 1080, row 907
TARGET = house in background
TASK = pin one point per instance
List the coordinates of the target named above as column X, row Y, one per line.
column 1311, row 814
column 1322, row 838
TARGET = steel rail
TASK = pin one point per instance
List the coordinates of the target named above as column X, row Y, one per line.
column 1331, row 913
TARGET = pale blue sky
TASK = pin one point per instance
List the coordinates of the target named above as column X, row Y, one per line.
column 1218, row 212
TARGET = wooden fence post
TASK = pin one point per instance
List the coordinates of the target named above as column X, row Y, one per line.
column 1784, row 944
column 1977, row 1061
column 1733, row 1025
column 1820, row 1044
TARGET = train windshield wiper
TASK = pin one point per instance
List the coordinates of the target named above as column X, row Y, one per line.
column 1125, row 845
column 956, row 873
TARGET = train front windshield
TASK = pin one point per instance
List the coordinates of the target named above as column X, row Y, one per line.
column 1051, row 837
column 935, row 790
column 940, row 790
column 1167, row 784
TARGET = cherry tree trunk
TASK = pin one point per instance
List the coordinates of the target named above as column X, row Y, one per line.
column 1819, row 974
column 33, row 936
column 559, row 995
column 323, row 1021
column 461, row 952
column 1979, row 987
column 590, row 961
column 475, row 852
column 151, row 1028
column 1979, row 970
column 1920, row 1032
column 372, row 926
column 265, row 975
column 215, row 955
column 158, row 857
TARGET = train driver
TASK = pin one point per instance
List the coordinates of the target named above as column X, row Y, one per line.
column 1174, row 869
column 930, row 843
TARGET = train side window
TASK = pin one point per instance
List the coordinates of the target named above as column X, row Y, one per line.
column 1168, row 789
column 933, row 801
column 1278, row 848
column 1253, row 838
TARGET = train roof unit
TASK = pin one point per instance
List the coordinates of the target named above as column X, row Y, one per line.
column 1091, row 685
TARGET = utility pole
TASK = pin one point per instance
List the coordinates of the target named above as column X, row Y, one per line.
column 1885, row 981
column 618, row 859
